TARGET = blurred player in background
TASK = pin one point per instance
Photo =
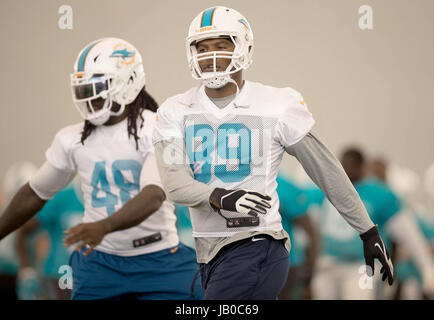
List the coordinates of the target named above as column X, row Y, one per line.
column 411, row 282
column 219, row 147
column 127, row 219
column 12, row 279
column 62, row 212
column 36, row 248
column 304, row 237
column 340, row 268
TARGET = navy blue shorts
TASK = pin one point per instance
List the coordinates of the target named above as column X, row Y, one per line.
column 163, row 275
column 247, row 270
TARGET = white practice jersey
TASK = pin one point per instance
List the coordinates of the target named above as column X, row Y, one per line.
column 237, row 147
column 109, row 166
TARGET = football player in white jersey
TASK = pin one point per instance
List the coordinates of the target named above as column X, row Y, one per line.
column 113, row 155
column 218, row 148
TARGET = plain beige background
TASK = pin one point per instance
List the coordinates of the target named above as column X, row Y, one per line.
column 371, row 88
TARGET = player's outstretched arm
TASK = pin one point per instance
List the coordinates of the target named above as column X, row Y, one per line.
column 328, row 174
column 148, row 201
column 23, row 206
column 42, row 186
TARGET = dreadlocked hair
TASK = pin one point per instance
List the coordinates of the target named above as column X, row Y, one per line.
column 143, row 101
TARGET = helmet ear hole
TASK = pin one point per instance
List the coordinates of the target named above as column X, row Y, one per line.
column 132, row 78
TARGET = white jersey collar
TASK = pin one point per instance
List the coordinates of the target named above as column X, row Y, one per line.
column 239, row 101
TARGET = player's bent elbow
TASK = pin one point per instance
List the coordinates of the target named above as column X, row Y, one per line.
column 172, row 196
column 157, row 195
column 177, row 196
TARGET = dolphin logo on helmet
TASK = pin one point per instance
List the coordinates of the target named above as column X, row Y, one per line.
column 124, row 53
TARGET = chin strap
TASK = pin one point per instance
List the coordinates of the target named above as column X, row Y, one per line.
column 102, row 116
column 236, row 85
column 220, row 82
column 119, row 112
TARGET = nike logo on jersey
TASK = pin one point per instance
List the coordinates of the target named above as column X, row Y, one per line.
column 243, row 107
column 257, row 239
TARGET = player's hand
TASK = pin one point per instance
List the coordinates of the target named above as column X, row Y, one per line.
column 374, row 247
column 242, row 201
column 88, row 234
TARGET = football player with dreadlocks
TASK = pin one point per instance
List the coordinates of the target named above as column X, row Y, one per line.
column 233, row 133
column 128, row 245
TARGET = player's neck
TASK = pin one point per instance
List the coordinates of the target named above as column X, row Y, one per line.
column 228, row 90
column 116, row 119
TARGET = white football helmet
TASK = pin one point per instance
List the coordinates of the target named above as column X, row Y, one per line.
column 219, row 22
column 110, row 69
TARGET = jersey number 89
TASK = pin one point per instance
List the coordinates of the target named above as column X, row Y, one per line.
column 231, row 143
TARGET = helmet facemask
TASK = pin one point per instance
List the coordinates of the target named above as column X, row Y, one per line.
column 87, row 88
column 217, row 79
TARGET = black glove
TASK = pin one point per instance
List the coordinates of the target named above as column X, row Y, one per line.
column 374, row 247
column 242, row 201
